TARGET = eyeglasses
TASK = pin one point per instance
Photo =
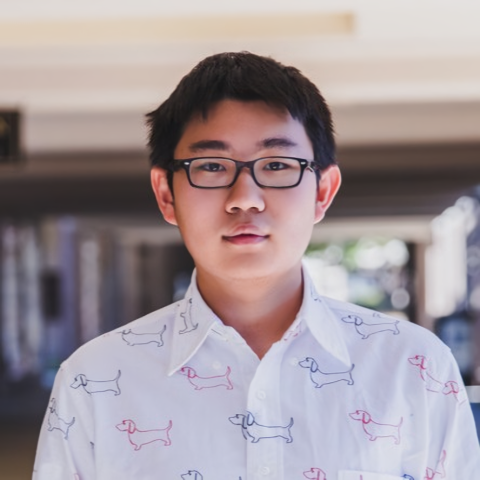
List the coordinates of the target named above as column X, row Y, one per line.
column 219, row 172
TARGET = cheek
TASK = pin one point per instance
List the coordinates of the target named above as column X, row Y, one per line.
column 298, row 207
column 197, row 212
column 295, row 217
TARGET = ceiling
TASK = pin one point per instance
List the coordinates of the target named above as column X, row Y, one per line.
column 403, row 81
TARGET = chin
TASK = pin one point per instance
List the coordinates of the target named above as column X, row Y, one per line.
column 252, row 267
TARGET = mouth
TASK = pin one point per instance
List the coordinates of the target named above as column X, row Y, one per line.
column 245, row 239
column 246, row 234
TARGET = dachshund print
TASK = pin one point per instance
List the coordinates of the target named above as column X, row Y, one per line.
column 192, row 475
column 452, row 387
column 320, row 378
column 200, row 383
column 97, row 386
column 57, row 423
column 132, row 338
column 365, row 329
column 314, row 294
column 256, row 431
column 138, row 438
column 432, row 474
column 292, row 333
column 376, row 430
column 432, row 384
column 187, row 319
column 315, row 474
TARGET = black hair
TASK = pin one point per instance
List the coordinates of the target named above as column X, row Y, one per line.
column 240, row 76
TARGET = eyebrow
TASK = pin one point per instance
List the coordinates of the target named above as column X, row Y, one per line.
column 272, row 142
column 278, row 142
column 202, row 145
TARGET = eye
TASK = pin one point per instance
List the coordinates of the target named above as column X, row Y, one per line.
column 211, row 167
column 276, row 165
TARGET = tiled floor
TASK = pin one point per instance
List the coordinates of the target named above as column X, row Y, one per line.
column 17, row 451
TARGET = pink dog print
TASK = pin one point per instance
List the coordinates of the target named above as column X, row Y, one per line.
column 376, row 430
column 199, row 383
column 431, row 474
column 315, row 474
column 453, row 388
column 293, row 333
column 138, row 438
column 450, row 387
column 431, row 383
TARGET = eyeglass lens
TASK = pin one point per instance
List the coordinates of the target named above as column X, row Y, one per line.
column 268, row 172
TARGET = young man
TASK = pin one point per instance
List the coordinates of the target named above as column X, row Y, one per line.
column 254, row 375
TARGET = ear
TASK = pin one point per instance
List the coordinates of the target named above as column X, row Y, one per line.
column 328, row 185
column 163, row 194
column 131, row 426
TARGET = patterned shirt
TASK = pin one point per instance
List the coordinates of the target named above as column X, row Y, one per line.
column 346, row 394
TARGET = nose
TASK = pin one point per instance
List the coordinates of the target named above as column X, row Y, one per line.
column 245, row 194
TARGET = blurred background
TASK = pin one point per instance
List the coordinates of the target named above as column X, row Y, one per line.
column 82, row 246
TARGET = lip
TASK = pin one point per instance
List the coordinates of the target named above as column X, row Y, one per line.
column 246, row 239
column 245, row 229
column 245, row 235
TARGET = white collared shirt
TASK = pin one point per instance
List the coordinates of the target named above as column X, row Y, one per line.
column 346, row 394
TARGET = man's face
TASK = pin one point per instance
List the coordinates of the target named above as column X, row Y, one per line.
column 244, row 231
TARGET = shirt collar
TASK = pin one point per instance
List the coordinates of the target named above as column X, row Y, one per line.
column 322, row 321
column 194, row 319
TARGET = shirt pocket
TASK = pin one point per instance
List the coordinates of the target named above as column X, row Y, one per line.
column 358, row 475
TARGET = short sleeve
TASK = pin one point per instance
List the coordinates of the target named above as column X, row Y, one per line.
column 66, row 445
column 455, row 451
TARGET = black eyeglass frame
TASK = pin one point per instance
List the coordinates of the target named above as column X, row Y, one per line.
column 185, row 165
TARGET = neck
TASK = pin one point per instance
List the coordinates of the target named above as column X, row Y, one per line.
column 261, row 309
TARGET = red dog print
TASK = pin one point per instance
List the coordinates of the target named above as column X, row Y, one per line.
column 431, row 383
column 292, row 333
column 207, row 382
column 138, row 438
column 452, row 388
column 434, row 385
column 431, row 474
column 376, row 430
column 315, row 474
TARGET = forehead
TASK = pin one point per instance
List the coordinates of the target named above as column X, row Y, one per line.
column 243, row 128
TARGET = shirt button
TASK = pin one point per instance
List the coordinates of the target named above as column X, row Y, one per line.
column 265, row 471
column 261, row 395
column 294, row 361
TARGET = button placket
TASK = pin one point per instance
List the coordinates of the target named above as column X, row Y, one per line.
column 265, row 457
column 261, row 394
column 264, row 471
